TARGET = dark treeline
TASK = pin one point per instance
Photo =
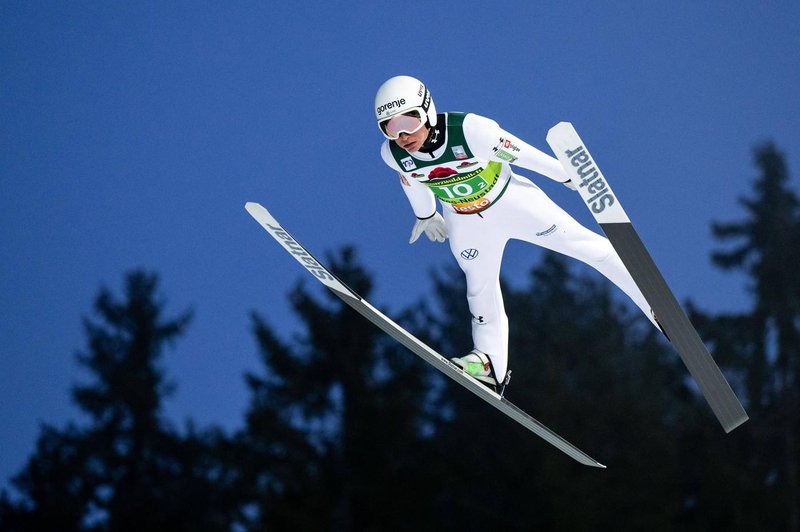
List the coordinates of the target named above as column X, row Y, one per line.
column 347, row 431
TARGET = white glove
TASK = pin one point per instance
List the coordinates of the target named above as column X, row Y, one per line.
column 569, row 184
column 433, row 226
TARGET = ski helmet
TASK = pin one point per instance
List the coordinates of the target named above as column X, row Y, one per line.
column 403, row 95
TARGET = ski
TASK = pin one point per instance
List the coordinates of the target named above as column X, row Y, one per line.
column 322, row 274
column 607, row 210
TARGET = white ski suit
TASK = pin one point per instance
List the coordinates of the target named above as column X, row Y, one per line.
column 485, row 204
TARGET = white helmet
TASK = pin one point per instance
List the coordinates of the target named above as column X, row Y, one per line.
column 404, row 94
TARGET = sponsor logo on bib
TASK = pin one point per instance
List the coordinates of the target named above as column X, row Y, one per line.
column 408, row 163
column 459, row 153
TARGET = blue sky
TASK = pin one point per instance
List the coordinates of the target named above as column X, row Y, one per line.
column 132, row 134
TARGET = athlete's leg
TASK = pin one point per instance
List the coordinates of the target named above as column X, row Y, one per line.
column 477, row 245
column 554, row 229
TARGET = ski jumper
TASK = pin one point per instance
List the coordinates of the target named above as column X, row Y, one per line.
column 485, row 204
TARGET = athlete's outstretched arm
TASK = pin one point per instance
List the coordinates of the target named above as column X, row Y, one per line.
column 488, row 140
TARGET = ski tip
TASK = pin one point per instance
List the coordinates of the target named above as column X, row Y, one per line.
column 561, row 125
column 253, row 207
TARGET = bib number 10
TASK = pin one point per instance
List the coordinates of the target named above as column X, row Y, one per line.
column 461, row 190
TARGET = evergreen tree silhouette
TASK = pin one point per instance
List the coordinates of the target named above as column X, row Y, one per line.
column 127, row 469
column 765, row 344
column 336, row 420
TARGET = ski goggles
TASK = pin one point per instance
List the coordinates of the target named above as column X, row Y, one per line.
column 409, row 122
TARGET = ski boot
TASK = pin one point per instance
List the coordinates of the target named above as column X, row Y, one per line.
column 479, row 366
